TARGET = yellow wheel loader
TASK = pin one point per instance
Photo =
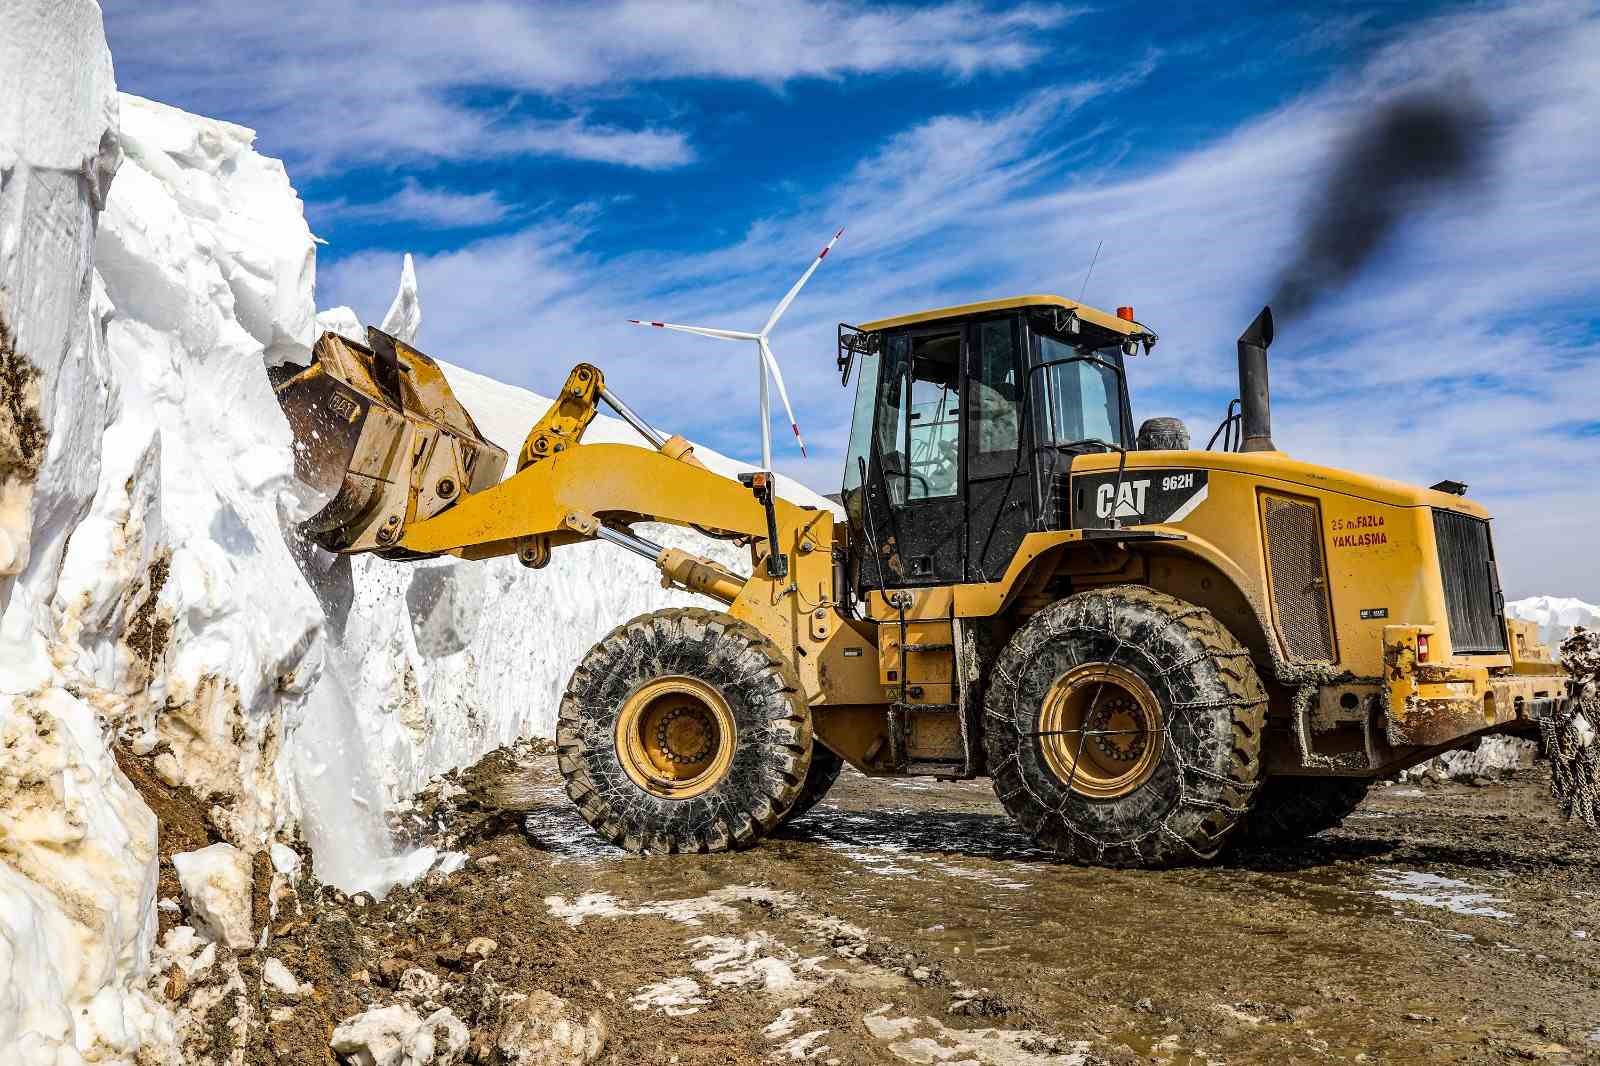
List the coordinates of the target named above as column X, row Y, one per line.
column 1151, row 649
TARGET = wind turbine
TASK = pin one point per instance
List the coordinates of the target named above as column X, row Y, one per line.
column 766, row 362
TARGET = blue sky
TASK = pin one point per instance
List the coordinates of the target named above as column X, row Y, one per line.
column 560, row 168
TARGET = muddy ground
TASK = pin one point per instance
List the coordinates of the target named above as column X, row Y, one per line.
column 909, row 921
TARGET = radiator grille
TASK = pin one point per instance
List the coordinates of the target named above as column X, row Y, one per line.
column 1471, row 584
column 1293, row 530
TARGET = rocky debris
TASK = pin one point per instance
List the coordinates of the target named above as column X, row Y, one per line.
column 1581, row 654
column 542, row 1030
column 396, row 1036
column 217, row 893
column 507, row 779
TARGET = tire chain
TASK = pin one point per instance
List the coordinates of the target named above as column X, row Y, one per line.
column 1572, row 740
column 1252, row 711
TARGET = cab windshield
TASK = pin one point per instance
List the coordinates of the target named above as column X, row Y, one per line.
column 1079, row 396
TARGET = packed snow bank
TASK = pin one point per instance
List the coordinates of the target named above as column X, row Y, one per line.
column 155, row 603
column 383, row 673
column 208, row 265
column 77, row 845
column 1557, row 616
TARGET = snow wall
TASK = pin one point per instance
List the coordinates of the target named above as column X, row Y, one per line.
column 154, row 602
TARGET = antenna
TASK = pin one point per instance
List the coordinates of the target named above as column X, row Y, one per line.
column 766, row 362
column 1090, row 272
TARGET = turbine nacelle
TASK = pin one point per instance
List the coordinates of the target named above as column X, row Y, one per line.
column 766, row 361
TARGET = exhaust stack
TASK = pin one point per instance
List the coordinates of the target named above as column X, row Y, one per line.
column 1255, row 398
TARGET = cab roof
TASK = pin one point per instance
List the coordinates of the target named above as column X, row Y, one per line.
column 1088, row 314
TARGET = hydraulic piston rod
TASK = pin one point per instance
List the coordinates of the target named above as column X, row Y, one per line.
column 628, row 415
column 637, row 545
column 679, row 569
column 673, row 446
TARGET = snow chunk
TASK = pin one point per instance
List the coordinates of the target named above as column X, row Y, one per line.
column 285, row 860
column 1493, row 757
column 343, row 321
column 216, row 887
column 395, row 1036
column 276, row 974
column 405, row 313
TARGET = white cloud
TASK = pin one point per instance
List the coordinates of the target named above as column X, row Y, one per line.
column 1468, row 351
column 415, row 202
column 364, row 80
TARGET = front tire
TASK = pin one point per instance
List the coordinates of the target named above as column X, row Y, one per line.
column 1123, row 728
column 682, row 731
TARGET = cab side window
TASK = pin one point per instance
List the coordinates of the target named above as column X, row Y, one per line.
column 919, row 416
column 993, row 400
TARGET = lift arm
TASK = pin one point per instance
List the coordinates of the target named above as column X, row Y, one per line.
column 372, row 423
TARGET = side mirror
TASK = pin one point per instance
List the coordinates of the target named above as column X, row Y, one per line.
column 851, row 342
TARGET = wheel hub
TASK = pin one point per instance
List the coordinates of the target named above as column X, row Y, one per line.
column 686, row 734
column 1119, row 729
column 675, row 736
column 1101, row 730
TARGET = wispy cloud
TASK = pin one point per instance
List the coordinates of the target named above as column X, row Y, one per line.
column 436, row 207
column 358, row 80
column 1469, row 350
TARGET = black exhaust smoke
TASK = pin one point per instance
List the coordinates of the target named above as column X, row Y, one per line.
column 1407, row 155
column 1255, row 398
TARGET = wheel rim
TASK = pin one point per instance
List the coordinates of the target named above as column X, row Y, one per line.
column 1101, row 730
column 675, row 737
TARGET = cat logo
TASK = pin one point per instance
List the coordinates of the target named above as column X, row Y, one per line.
column 1141, row 497
column 345, row 407
column 1130, row 499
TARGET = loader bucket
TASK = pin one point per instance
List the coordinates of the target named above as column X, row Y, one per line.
column 380, row 435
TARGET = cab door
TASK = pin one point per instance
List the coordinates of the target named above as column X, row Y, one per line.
column 999, row 483
column 911, row 504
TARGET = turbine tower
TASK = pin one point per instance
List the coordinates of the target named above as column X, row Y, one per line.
column 766, row 362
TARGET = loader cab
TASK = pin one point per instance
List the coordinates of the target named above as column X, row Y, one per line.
column 964, row 427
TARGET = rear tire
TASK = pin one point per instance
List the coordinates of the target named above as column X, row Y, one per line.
column 1123, row 728
column 1287, row 809
column 824, row 771
column 682, row 731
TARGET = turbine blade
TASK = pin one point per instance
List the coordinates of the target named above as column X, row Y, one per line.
column 783, row 305
column 702, row 331
column 783, row 393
